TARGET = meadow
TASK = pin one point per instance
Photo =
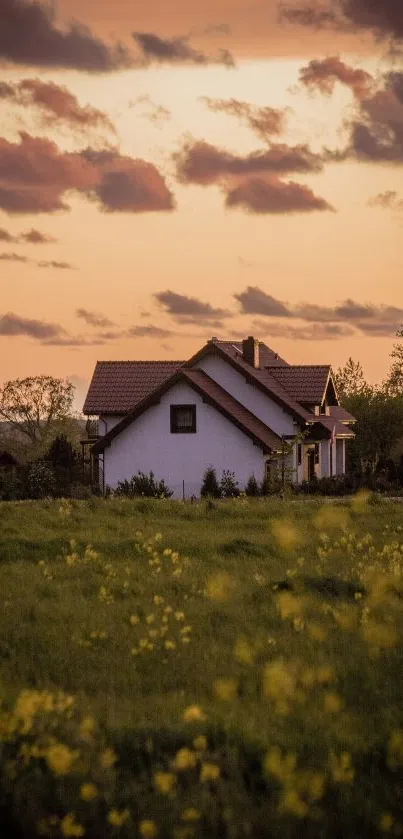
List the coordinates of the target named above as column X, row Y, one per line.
column 227, row 669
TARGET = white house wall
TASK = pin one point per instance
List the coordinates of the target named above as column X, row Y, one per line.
column 249, row 395
column 148, row 445
column 110, row 421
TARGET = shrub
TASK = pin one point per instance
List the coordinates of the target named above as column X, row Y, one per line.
column 229, row 485
column 210, row 487
column 11, row 487
column 252, row 487
column 41, row 480
column 142, row 484
column 61, row 453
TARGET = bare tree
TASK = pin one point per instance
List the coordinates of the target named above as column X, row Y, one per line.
column 34, row 405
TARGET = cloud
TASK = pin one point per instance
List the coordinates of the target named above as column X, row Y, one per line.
column 322, row 75
column 56, row 104
column 263, row 121
column 387, row 200
column 36, row 177
column 13, row 257
column 189, row 309
column 316, row 332
column 29, row 36
column 35, row 237
column 201, row 163
column 256, row 302
column 53, row 263
column 12, row 325
column 148, row 332
column 259, row 196
column 155, row 113
column 5, row 236
column 176, row 51
column 377, row 131
column 94, row 318
column 384, row 18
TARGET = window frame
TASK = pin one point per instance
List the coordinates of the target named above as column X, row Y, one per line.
column 173, row 422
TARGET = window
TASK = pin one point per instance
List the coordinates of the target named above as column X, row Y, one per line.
column 183, row 419
column 299, row 454
column 317, row 455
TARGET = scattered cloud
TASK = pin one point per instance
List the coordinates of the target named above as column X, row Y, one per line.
column 176, row 51
column 316, row 332
column 30, row 36
column 322, row 75
column 148, row 332
column 94, row 318
column 255, row 301
column 388, row 200
column 199, row 162
column 154, row 113
column 36, row 176
column 5, row 236
column 260, row 196
column 265, row 122
column 13, row 257
column 55, row 104
column 30, row 237
column 12, row 325
column 384, row 18
column 189, row 309
column 53, row 263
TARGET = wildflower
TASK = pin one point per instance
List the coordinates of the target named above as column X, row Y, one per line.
column 194, row 714
column 209, row 772
column 285, row 534
column 117, row 818
column 341, row 768
column 190, row 815
column 168, row 610
column 225, row 689
column 88, row 792
column 158, row 600
column 169, row 645
column 184, row 759
column 180, row 616
column 386, row 822
column 70, row 828
column 292, row 802
column 278, row 681
column 60, row 758
column 332, row 703
column 243, row 652
column 200, row 743
column 280, row 767
column 150, row 619
column 220, row 587
column 148, row 829
column 164, row 782
column 134, row 619
column 316, row 631
column 107, row 759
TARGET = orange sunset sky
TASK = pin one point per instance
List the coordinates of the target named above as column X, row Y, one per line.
column 174, row 171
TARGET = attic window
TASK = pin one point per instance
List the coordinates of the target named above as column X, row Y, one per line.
column 183, row 419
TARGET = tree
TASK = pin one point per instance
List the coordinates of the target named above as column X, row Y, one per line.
column 33, row 406
column 350, row 380
column 394, row 382
column 61, row 453
column 210, row 487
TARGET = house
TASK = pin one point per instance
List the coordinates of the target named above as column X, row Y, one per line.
column 233, row 405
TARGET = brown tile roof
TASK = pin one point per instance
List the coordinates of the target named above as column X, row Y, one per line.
column 330, row 422
column 261, row 377
column 268, row 357
column 305, row 383
column 212, row 393
column 117, row 386
column 341, row 414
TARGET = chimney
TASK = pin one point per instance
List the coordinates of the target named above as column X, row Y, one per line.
column 250, row 351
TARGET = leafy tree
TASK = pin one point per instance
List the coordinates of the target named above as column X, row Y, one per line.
column 35, row 404
column 210, row 487
column 394, row 382
column 252, row 487
column 350, row 380
column 229, row 485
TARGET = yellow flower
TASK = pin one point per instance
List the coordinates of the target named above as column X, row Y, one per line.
column 200, row 743
column 278, row 681
column 220, row 587
column 158, row 600
column 285, row 534
column 180, row 616
column 169, row 645
column 60, row 758
column 194, row 714
column 243, row 652
column 289, row 605
column 225, row 689
column 293, row 803
column 190, row 815
column 280, row 767
column 184, row 759
column 150, row 619
column 148, row 829
column 88, row 792
column 332, row 703
column 69, row 827
column 164, row 782
column 386, row 822
column 341, row 768
column 107, row 759
column 117, row 818
column 134, row 619
column 209, row 772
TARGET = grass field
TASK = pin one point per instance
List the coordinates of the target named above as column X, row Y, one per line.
column 227, row 670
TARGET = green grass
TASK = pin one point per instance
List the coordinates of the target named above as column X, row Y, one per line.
column 284, row 625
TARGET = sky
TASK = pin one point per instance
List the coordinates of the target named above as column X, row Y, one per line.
column 179, row 171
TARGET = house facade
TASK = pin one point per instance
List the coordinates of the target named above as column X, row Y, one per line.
column 234, row 406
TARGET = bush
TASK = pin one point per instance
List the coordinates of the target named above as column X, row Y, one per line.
column 41, row 480
column 11, row 487
column 142, row 484
column 210, row 487
column 229, row 485
column 252, row 487
column 61, row 453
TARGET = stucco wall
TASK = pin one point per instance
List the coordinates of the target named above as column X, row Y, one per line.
column 147, row 445
column 255, row 400
column 111, row 421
